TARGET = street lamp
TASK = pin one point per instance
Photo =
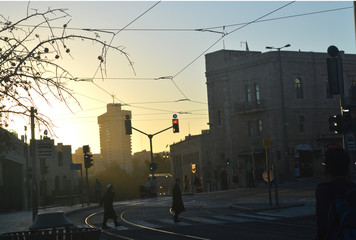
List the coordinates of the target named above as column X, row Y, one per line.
column 284, row 121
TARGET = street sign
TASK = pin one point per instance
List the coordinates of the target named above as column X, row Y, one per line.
column 45, row 148
column 267, row 142
column 265, row 175
column 174, row 115
column 194, row 168
column 76, row 166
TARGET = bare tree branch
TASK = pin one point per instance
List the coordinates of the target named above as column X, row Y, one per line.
column 30, row 63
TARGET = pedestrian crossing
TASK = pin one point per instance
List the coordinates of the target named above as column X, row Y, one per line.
column 192, row 220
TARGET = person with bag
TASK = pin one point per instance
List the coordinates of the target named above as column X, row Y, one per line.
column 336, row 199
column 177, row 205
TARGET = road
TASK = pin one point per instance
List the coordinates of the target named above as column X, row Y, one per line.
column 210, row 216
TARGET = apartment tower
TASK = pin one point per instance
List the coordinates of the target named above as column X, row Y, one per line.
column 115, row 145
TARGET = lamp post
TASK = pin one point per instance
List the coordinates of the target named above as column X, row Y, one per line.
column 284, row 120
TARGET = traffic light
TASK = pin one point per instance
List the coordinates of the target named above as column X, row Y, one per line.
column 153, row 167
column 335, row 71
column 227, row 162
column 335, row 123
column 175, row 124
column 128, row 127
column 88, row 161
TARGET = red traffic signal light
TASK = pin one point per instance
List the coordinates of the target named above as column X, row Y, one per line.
column 175, row 124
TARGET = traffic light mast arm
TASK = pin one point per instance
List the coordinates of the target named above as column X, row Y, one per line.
column 152, row 134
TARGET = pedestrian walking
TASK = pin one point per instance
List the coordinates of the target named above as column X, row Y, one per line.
column 109, row 212
column 177, row 205
column 97, row 190
column 336, row 169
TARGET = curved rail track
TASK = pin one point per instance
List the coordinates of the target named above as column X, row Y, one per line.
column 119, row 234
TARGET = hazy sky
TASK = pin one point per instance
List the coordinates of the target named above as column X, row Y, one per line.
column 165, row 41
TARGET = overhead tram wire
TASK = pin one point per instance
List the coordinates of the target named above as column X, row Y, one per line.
column 109, row 30
column 222, row 37
column 115, row 34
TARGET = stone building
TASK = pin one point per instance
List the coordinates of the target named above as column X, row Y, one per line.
column 115, row 145
column 190, row 158
column 276, row 97
column 53, row 170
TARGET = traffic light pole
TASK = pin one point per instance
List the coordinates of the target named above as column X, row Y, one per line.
column 150, row 136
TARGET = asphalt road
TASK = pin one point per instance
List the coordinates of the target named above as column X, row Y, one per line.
column 207, row 216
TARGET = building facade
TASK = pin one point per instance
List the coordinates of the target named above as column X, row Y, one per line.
column 191, row 159
column 276, row 104
column 115, row 145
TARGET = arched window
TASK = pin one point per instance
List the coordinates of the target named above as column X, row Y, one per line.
column 298, row 84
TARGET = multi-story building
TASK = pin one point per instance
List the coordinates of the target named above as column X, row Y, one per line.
column 274, row 103
column 53, row 170
column 191, row 159
column 115, row 145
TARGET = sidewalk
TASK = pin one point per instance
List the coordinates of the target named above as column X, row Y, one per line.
column 22, row 220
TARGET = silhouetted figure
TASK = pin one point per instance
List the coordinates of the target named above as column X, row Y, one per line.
column 109, row 211
column 177, row 205
column 97, row 190
column 197, row 184
column 336, row 169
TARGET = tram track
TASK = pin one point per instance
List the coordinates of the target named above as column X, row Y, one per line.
column 122, row 217
column 123, row 214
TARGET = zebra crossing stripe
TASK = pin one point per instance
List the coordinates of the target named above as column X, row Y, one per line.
column 206, row 220
column 255, row 216
column 120, row 228
column 170, row 221
column 233, row 219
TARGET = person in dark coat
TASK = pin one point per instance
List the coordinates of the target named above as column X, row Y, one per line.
column 336, row 171
column 177, row 205
column 109, row 212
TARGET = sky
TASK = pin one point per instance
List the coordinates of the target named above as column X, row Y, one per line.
column 165, row 39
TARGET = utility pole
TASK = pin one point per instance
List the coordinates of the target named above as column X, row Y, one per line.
column 34, row 172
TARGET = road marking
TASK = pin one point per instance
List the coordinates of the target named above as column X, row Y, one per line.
column 205, row 220
column 170, row 221
column 233, row 219
column 255, row 216
column 147, row 224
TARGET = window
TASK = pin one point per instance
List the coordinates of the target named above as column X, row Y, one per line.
column 60, row 159
column 248, row 93
column 298, row 88
column 257, row 93
column 259, row 127
column 301, row 121
column 250, row 129
column 328, row 95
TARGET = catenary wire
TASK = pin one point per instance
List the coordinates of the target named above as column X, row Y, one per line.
column 224, row 35
column 109, row 30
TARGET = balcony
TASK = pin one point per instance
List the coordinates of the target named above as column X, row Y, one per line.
column 245, row 107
